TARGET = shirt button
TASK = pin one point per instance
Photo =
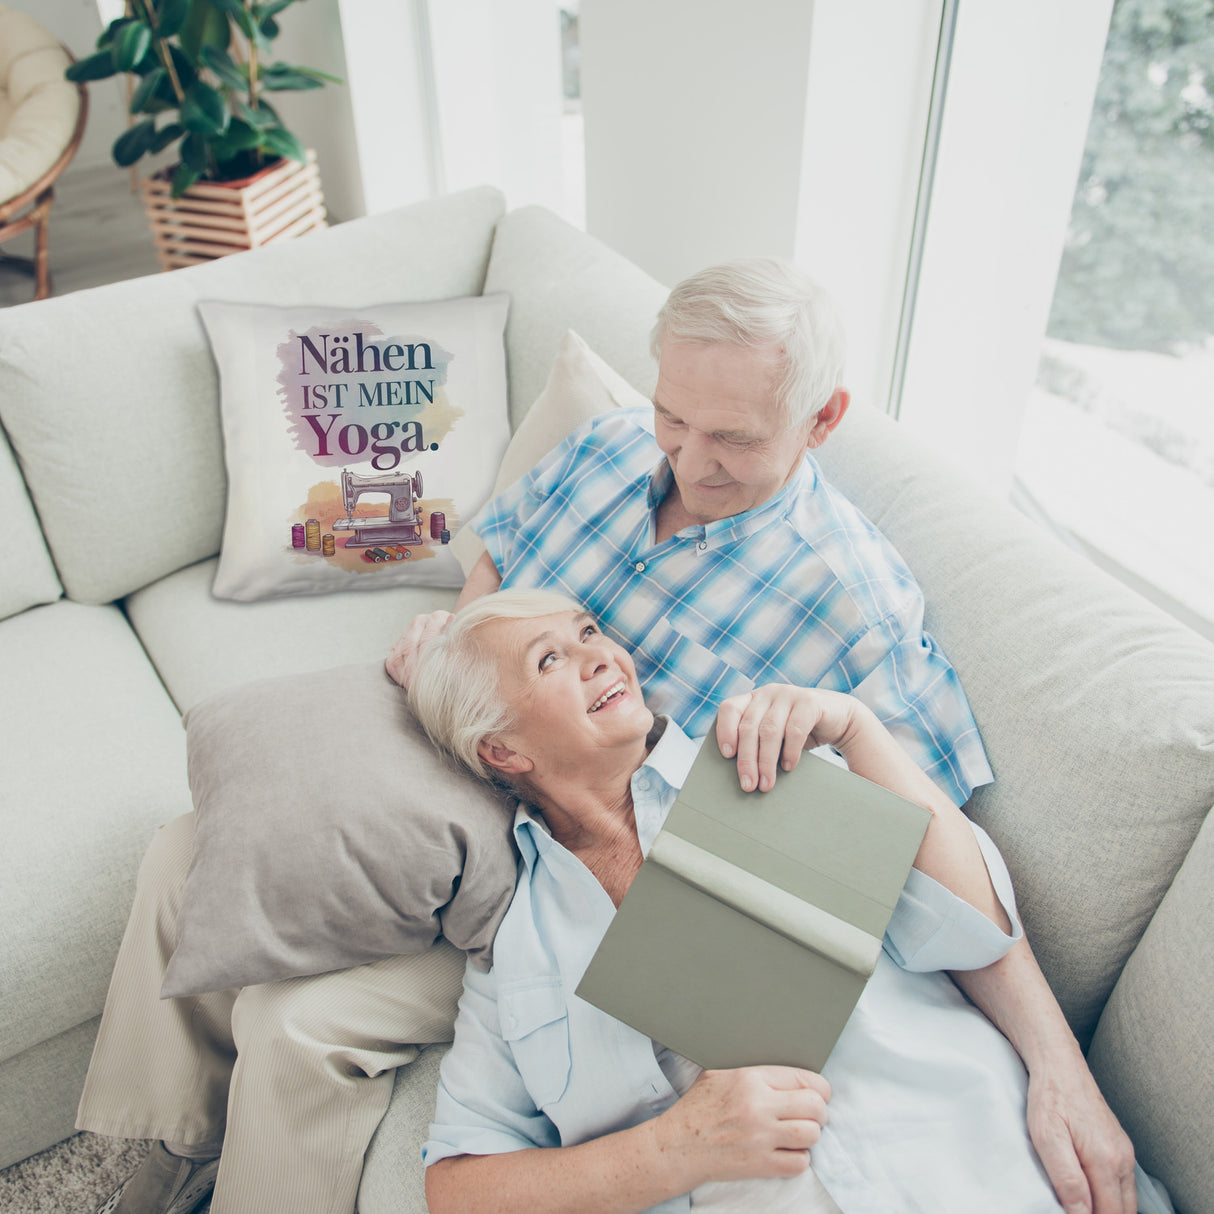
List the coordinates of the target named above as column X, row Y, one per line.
column 702, row 545
column 639, row 566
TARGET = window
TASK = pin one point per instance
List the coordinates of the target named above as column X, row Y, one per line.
column 1117, row 443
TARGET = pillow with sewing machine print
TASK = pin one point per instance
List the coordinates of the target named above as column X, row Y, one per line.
column 357, row 440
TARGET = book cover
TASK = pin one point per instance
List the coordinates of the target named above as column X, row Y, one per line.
column 755, row 921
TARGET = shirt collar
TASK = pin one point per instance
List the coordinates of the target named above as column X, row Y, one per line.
column 655, row 785
column 737, row 526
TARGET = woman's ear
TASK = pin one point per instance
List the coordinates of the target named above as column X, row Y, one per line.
column 496, row 754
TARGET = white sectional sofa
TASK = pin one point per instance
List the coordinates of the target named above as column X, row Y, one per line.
column 1096, row 710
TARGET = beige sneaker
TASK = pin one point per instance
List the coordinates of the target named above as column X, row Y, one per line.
column 164, row 1184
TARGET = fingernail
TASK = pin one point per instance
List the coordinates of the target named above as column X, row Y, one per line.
column 727, row 751
column 748, row 783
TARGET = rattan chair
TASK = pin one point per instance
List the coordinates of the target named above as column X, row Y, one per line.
column 42, row 117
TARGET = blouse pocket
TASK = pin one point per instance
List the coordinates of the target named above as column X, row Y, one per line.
column 535, row 1023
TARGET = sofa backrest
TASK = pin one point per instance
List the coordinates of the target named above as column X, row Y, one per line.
column 110, row 396
column 29, row 574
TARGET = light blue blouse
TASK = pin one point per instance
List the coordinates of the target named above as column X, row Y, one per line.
column 928, row 1104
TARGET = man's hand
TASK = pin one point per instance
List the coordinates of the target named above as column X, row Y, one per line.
column 770, row 727
column 1086, row 1154
column 401, row 660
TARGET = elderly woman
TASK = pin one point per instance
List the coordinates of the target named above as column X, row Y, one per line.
column 547, row 1103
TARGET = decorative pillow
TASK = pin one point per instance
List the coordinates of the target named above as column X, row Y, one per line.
column 580, row 386
column 357, row 441
column 329, row 833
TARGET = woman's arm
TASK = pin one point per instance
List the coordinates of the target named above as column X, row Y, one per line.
column 769, row 727
column 730, row 1125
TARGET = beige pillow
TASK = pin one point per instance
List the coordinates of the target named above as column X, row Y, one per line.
column 580, row 386
column 329, row 833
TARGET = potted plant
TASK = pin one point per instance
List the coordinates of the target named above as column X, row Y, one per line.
column 201, row 71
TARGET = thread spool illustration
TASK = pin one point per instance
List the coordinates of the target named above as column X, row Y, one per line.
column 297, row 536
column 438, row 522
column 327, row 545
column 313, row 535
column 445, row 536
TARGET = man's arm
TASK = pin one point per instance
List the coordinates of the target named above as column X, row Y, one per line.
column 1087, row 1155
column 483, row 579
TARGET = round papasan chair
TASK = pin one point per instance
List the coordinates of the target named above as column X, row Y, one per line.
column 41, row 123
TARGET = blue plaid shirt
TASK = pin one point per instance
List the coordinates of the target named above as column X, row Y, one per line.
column 802, row 589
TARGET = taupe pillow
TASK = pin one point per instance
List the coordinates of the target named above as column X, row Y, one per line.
column 330, row 833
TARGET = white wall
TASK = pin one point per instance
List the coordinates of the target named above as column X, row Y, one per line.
column 694, row 126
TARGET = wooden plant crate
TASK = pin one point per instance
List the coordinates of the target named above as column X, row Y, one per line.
column 215, row 218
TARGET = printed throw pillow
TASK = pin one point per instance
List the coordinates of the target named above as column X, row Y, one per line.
column 580, row 386
column 357, row 440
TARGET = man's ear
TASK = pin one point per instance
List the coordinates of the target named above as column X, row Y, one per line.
column 829, row 416
column 494, row 753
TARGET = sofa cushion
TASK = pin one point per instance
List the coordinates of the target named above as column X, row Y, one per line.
column 29, row 574
column 1097, row 711
column 328, row 833
column 201, row 645
column 327, row 412
column 128, row 476
column 558, row 278
column 94, row 760
column 1152, row 1054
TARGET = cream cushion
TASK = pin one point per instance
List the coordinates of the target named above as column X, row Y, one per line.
column 38, row 106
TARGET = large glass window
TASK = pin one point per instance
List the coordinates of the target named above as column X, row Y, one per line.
column 1117, row 446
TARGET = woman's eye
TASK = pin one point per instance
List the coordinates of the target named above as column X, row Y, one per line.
column 547, row 660
column 590, row 630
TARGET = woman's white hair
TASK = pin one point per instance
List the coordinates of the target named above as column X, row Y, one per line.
column 763, row 303
column 454, row 691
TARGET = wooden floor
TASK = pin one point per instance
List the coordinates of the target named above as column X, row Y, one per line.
column 98, row 234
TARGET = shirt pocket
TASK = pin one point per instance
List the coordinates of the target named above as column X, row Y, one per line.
column 535, row 1024
column 682, row 671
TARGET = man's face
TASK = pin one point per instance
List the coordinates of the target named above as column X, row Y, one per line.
column 573, row 691
column 716, row 420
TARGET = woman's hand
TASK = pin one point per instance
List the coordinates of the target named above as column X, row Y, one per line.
column 755, row 1121
column 770, row 727
column 401, row 661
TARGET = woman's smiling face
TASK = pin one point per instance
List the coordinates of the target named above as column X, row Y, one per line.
column 573, row 692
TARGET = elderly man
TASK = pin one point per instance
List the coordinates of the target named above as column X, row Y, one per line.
column 704, row 538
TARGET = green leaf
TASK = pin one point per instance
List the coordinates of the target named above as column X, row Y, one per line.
column 225, row 67
column 95, row 67
column 238, row 13
column 106, row 38
column 171, row 16
column 195, row 154
column 261, row 118
column 281, row 142
column 132, row 144
column 272, row 9
column 187, row 73
column 203, row 111
column 268, row 28
column 241, row 137
column 183, row 178
column 131, row 44
column 166, row 135
column 280, row 77
column 144, row 97
column 205, row 26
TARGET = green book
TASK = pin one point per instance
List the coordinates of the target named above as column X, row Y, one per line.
column 757, row 918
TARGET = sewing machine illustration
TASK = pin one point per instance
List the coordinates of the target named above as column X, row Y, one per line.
column 401, row 525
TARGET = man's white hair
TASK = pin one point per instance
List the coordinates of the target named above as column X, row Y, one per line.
column 763, row 303
column 455, row 692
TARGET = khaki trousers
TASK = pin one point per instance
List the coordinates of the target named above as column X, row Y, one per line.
column 293, row 1076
